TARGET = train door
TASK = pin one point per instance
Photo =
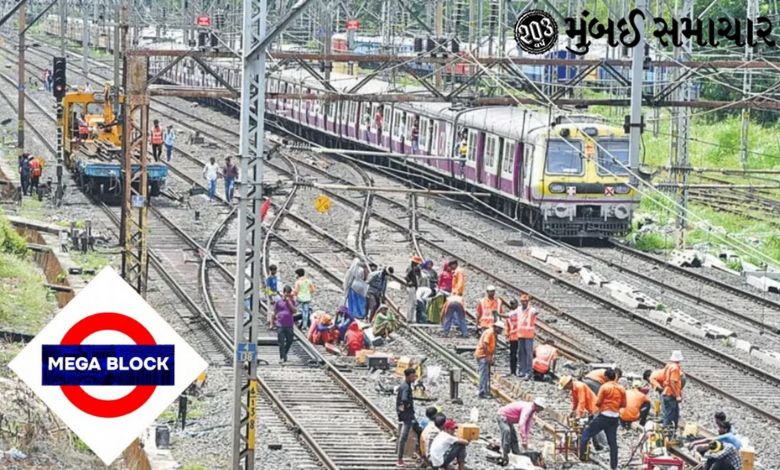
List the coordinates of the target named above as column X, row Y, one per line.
column 424, row 136
column 489, row 161
column 387, row 127
column 474, row 155
column 527, row 173
column 508, row 177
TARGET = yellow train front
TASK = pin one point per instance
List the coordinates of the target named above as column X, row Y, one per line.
column 579, row 179
column 92, row 139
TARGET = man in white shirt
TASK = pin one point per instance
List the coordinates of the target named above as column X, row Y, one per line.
column 430, row 432
column 446, row 447
column 211, row 173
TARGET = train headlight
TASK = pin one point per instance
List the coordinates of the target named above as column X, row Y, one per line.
column 622, row 189
column 621, row 211
column 561, row 211
column 557, row 188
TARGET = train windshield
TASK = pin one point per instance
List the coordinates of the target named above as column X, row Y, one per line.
column 564, row 157
column 613, row 157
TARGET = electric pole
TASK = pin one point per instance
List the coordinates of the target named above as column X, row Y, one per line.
column 84, row 39
column 637, row 79
column 249, row 246
column 439, row 31
column 63, row 26
column 680, row 169
column 747, row 82
column 20, row 89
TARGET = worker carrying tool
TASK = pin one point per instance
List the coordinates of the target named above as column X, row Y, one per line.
column 637, row 405
column 520, row 414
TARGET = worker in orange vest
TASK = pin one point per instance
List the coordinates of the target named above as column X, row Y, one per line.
column 583, row 400
column 596, row 378
column 458, row 279
column 672, row 391
column 157, row 140
column 486, row 348
column 611, row 398
column 637, row 405
column 512, row 331
column 489, row 308
column 545, row 357
column 526, row 332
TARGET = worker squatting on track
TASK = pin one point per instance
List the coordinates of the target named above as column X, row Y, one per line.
column 599, row 403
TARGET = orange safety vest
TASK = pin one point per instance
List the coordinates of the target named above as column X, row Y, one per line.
column 513, row 326
column 657, row 378
column 157, row 137
column 35, row 168
column 527, row 327
column 583, row 400
column 673, row 380
column 634, row 401
column 486, row 345
column 543, row 358
column 485, row 311
column 597, row 375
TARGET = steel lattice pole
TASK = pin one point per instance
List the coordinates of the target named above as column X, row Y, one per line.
column 250, row 235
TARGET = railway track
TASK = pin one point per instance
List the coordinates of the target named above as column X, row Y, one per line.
column 580, row 319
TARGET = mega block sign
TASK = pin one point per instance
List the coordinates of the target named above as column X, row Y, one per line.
column 108, row 365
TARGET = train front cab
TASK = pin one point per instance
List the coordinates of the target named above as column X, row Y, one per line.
column 583, row 192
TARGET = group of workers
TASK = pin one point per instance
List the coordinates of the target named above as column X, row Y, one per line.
column 30, row 171
column 599, row 403
column 158, row 138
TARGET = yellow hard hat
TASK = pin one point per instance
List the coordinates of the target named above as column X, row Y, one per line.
column 564, row 381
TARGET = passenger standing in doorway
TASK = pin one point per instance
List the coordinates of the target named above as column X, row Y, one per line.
column 157, row 140
column 284, row 311
column 378, row 119
column 211, row 173
column 230, row 173
column 303, row 291
column 462, row 153
column 169, row 138
column 415, row 136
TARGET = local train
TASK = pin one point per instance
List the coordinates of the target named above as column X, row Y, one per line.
column 564, row 175
column 95, row 158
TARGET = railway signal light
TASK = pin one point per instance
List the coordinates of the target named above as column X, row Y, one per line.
column 59, row 82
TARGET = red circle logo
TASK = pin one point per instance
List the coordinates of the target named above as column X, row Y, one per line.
column 85, row 402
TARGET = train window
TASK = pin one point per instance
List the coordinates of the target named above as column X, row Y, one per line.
column 491, row 146
column 509, row 157
column 435, row 139
column 95, row 108
column 332, row 110
column 425, row 133
column 297, row 102
column 398, row 124
column 410, row 120
column 564, row 157
column 611, row 154
column 472, row 147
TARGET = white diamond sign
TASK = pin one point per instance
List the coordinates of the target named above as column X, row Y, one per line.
column 108, row 365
